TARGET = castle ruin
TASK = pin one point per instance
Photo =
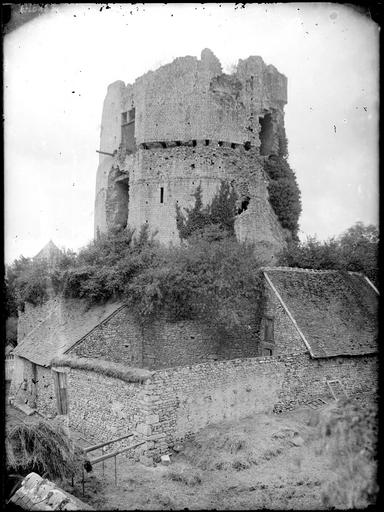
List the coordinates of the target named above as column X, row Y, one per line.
column 189, row 124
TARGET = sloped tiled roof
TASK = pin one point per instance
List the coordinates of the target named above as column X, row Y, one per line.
column 335, row 311
column 49, row 252
column 68, row 322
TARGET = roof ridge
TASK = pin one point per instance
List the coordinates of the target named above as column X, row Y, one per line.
column 307, row 270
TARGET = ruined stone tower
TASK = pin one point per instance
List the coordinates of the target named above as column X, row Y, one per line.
column 185, row 124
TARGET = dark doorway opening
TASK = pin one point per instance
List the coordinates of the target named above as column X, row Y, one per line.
column 244, row 205
column 266, row 134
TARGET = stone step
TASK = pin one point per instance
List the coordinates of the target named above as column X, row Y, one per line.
column 24, row 408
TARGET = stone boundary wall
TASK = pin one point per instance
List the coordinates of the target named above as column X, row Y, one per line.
column 181, row 401
column 178, row 402
column 103, row 408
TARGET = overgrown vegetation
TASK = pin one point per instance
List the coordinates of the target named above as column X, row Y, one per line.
column 354, row 250
column 284, row 193
column 106, row 368
column 212, row 277
column 348, row 434
column 219, row 214
column 214, row 281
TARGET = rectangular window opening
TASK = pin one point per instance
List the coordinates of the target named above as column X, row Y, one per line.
column 161, row 195
column 124, row 117
column 131, row 115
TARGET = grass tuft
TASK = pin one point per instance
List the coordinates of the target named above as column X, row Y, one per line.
column 106, row 368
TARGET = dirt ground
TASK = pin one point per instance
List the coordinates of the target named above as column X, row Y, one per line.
column 265, row 461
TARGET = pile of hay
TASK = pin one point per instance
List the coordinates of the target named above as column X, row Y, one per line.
column 44, row 449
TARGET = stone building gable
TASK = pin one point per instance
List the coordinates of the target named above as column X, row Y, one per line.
column 56, row 326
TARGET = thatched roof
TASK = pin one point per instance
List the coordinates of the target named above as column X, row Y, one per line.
column 335, row 311
column 68, row 322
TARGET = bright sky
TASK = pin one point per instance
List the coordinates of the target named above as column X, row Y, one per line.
column 57, row 68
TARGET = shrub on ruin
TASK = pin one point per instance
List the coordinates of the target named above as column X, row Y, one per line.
column 284, row 193
column 103, row 268
column 219, row 214
column 218, row 282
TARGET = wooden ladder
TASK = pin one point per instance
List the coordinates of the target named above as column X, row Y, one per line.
column 337, row 389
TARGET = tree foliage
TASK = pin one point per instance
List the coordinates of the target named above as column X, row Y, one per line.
column 284, row 193
column 213, row 278
column 214, row 281
column 220, row 213
column 354, row 250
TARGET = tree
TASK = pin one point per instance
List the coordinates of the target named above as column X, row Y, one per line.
column 220, row 214
column 359, row 249
column 217, row 282
column 284, row 193
column 354, row 250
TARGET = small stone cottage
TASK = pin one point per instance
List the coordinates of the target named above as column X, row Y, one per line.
column 111, row 376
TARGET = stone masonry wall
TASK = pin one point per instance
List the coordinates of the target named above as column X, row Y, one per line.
column 180, row 170
column 104, row 408
column 160, row 345
column 287, row 339
column 118, row 339
column 184, row 400
column 178, row 402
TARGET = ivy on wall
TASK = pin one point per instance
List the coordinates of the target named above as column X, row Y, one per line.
column 284, row 193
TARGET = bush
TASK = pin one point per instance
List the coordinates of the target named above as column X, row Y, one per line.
column 348, row 434
column 355, row 250
column 213, row 278
column 220, row 214
column 215, row 281
column 284, row 193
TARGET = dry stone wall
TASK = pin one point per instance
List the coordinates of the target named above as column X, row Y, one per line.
column 159, row 345
column 104, row 408
column 177, row 402
column 186, row 399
